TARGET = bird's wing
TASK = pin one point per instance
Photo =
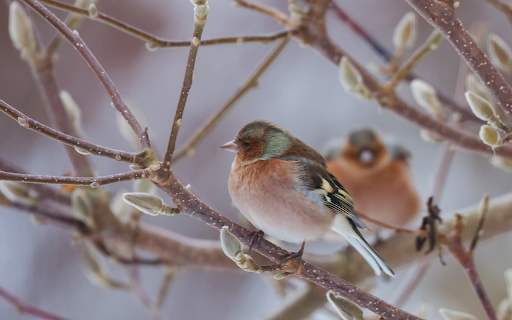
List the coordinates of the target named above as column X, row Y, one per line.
column 318, row 179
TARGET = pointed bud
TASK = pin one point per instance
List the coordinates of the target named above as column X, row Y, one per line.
column 148, row 203
column 490, row 136
column 18, row 192
column 201, row 14
column 134, row 167
column 455, row 315
column 426, row 96
column 21, row 31
column 351, row 79
column 473, row 84
column 22, row 122
column 345, row 308
column 72, row 109
column 230, row 244
column 405, row 32
column 93, row 11
column 500, row 53
column 151, row 46
column 480, row 107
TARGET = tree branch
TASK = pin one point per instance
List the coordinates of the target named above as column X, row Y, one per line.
column 35, row 126
column 250, row 83
column 77, row 43
column 443, row 18
column 387, row 56
column 75, row 181
column 25, row 308
column 154, row 41
column 199, row 23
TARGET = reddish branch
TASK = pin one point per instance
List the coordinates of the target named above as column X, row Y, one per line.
column 312, row 31
column 187, row 84
column 25, row 308
column 442, row 17
column 387, row 56
column 154, row 40
column 189, row 204
column 76, row 41
column 465, row 258
column 35, row 126
column 75, row 181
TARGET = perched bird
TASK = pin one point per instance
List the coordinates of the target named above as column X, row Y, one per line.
column 377, row 176
column 283, row 187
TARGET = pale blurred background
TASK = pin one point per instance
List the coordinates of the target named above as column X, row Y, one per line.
column 300, row 92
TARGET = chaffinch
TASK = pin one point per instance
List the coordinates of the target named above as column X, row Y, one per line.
column 377, row 175
column 283, row 187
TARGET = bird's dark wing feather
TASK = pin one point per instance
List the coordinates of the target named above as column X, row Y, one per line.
column 317, row 178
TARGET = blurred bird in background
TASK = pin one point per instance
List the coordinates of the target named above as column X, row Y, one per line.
column 377, row 176
column 283, row 187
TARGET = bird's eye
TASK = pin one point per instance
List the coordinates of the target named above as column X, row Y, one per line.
column 246, row 144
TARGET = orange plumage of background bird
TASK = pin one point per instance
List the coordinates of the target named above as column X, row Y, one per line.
column 377, row 176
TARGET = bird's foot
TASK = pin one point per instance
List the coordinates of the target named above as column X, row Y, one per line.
column 256, row 238
column 294, row 255
column 290, row 264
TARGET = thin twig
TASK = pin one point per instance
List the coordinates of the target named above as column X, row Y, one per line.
column 76, row 41
column 154, row 41
column 313, row 33
column 429, row 45
column 26, row 308
column 418, row 232
column 35, row 126
column 465, row 258
column 250, row 83
column 199, row 23
column 189, row 204
column 170, row 274
column 387, row 56
column 75, row 181
column 443, row 18
column 143, row 297
column 46, row 192
column 266, row 10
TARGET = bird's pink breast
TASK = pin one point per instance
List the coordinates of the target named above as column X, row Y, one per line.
column 267, row 193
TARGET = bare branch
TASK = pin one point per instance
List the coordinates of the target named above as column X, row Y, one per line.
column 387, row 56
column 313, row 33
column 465, row 258
column 47, row 192
column 443, row 18
column 152, row 40
column 266, row 10
column 418, row 232
column 199, row 23
column 25, row 308
column 139, row 292
column 75, row 181
column 35, row 126
column 250, row 83
column 191, row 205
column 77, row 43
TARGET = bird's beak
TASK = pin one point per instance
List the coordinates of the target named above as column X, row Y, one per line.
column 230, row 146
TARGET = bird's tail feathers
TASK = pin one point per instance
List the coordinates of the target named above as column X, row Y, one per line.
column 346, row 228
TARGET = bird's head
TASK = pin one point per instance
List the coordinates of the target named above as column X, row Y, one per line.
column 365, row 148
column 260, row 140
